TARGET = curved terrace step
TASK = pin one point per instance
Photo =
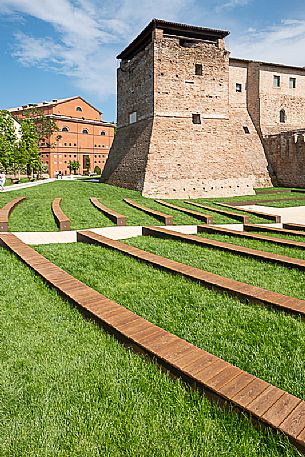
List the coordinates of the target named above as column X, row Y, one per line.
column 221, row 380
column 231, row 286
column 6, row 211
column 228, row 247
column 115, row 217
column 61, row 219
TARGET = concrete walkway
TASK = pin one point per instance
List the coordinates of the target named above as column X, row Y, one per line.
column 115, row 233
column 27, row 184
column 295, row 214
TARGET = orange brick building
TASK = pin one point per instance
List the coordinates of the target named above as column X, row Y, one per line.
column 83, row 135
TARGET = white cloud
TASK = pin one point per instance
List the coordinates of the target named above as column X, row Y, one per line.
column 88, row 35
column 281, row 43
column 230, row 4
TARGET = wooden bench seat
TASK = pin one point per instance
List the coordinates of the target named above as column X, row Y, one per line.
column 6, row 211
column 161, row 232
column 239, row 217
column 272, row 217
column 264, row 228
column 61, row 219
column 292, row 226
column 196, row 214
column 165, row 218
column 251, row 236
column 115, row 217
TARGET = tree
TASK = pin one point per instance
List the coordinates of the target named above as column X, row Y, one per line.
column 8, row 140
column 28, row 147
column 97, row 170
column 45, row 126
column 74, row 165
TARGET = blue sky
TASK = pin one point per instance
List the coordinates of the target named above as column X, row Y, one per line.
column 60, row 48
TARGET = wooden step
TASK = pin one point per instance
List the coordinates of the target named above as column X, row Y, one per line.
column 251, row 236
column 231, row 286
column 115, row 217
column 239, row 217
column 208, row 373
column 272, row 217
column 284, row 260
column 61, row 219
column 264, row 228
column 292, row 226
column 165, row 218
column 196, row 214
column 6, row 210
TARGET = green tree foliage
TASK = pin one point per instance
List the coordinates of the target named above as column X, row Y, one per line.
column 97, row 170
column 28, row 146
column 8, row 140
column 45, row 126
column 74, row 165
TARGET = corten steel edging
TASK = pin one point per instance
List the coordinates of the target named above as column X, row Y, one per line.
column 273, row 217
column 292, row 226
column 231, row 286
column 262, row 228
column 6, row 210
column 227, row 247
column 219, row 379
column 115, row 217
column 251, row 236
column 196, row 214
column 239, row 217
column 61, row 219
column 165, row 218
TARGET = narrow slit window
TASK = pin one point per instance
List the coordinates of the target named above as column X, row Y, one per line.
column 282, row 116
column 246, row 129
column 198, row 69
column 238, row 87
column 196, row 118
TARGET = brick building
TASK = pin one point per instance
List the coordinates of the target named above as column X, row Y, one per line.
column 83, row 134
column 193, row 122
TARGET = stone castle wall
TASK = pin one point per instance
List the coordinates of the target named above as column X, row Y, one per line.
column 165, row 154
column 286, row 153
column 129, row 152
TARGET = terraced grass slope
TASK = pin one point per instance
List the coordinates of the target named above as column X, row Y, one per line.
column 67, row 388
column 35, row 213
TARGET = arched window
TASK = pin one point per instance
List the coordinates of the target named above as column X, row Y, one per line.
column 103, row 133
column 65, row 129
column 79, row 108
column 282, row 116
column 85, row 131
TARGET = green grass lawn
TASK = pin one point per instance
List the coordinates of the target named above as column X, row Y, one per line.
column 35, row 213
column 69, row 389
column 269, row 344
column 257, row 244
column 252, row 271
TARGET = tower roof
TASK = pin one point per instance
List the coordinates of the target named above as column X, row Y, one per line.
column 171, row 28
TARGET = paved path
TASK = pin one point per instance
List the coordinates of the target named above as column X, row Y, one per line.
column 294, row 214
column 27, row 184
column 114, row 233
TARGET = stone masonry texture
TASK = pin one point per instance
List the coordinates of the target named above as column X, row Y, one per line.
column 160, row 151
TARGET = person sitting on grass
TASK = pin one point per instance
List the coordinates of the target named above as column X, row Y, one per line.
column 2, row 181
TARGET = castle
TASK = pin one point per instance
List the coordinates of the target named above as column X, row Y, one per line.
column 193, row 122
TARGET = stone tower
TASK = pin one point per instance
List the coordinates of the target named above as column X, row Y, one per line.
column 178, row 135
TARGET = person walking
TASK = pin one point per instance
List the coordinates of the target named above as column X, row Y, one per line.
column 2, row 181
